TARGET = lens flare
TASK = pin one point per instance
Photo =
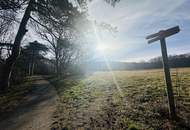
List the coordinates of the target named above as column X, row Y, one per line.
column 103, row 47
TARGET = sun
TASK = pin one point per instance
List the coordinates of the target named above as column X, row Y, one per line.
column 105, row 48
column 102, row 47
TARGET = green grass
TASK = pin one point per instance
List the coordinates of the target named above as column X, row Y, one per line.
column 129, row 99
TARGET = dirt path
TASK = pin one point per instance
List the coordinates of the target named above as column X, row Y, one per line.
column 35, row 113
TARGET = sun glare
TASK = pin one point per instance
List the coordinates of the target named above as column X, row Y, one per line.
column 101, row 47
column 104, row 48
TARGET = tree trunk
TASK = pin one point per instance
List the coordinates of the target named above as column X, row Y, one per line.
column 56, row 63
column 57, row 66
column 32, row 70
column 29, row 68
column 6, row 72
column 7, row 67
column 32, row 64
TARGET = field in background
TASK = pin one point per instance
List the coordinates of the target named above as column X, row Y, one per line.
column 122, row 100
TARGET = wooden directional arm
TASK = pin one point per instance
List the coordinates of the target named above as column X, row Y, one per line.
column 153, row 35
column 162, row 34
column 170, row 32
column 153, row 40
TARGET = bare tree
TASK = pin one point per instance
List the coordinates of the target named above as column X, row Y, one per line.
column 57, row 11
column 44, row 8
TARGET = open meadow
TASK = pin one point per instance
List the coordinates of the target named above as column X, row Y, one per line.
column 122, row 100
column 94, row 65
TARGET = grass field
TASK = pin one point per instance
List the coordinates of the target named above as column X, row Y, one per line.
column 122, row 100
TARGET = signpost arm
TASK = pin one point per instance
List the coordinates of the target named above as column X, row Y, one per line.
column 168, row 79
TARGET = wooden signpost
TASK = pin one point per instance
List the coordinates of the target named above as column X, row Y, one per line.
column 161, row 35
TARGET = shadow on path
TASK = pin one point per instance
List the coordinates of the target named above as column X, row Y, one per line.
column 36, row 111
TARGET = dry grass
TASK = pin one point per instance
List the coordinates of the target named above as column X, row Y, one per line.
column 124, row 100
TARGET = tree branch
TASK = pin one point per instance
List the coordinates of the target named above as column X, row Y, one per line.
column 43, row 26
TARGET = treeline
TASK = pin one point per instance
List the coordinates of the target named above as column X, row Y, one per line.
column 175, row 61
column 31, row 61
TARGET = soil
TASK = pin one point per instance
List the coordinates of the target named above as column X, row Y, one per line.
column 35, row 113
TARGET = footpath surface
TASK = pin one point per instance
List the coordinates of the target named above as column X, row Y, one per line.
column 36, row 112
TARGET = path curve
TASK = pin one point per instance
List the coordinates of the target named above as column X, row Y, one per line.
column 37, row 110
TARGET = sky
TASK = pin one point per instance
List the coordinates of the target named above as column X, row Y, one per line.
column 135, row 19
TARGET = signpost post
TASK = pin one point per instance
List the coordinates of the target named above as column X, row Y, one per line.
column 161, row 35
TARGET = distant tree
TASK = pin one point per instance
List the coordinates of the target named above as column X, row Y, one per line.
column 69, row 54
column 34, row 51
column 62, row 49
column 112, row 2
column 32, row 60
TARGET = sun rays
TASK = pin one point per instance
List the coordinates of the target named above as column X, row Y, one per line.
column 102, row 48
